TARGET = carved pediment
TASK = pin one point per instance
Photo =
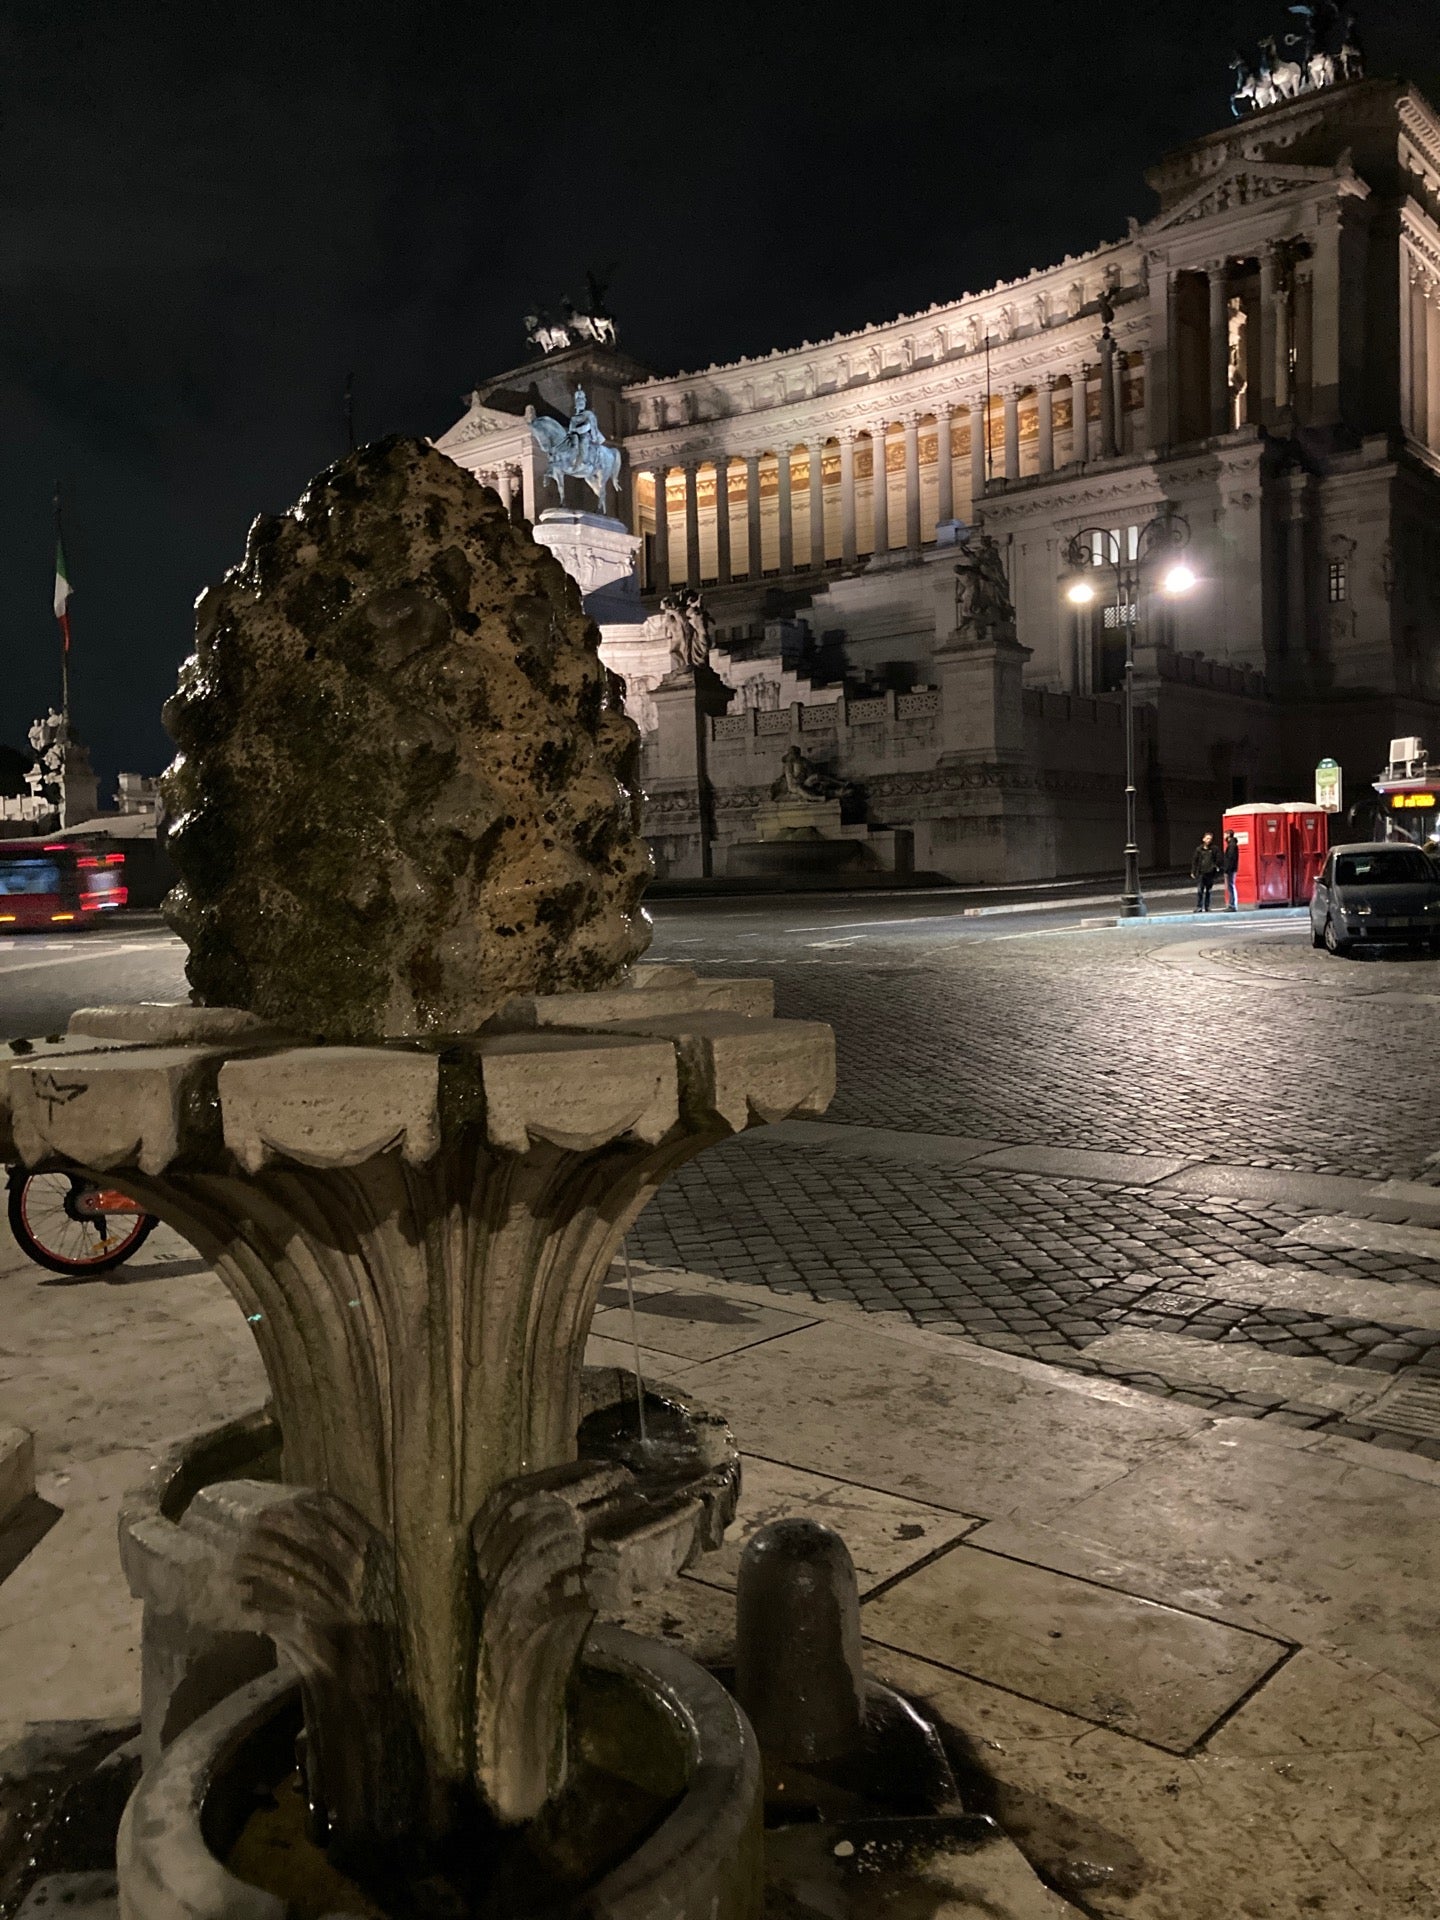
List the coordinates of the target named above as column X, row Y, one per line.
column 478, row 424
column 1246, row 184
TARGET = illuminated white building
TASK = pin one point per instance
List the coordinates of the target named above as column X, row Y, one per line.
column 1270, row 369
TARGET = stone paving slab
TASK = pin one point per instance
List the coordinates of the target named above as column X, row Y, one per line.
column 1086, row 1163
column 1131, row 1832
column 931, row 1149
column 885, row 1535
column 896, row 1417
column 1389, row 1199
column 656, row 1367
column 1319, row 1795
column 17, row 1469
column 1326, row 1295
column 697, row 1326
column 1292, row 1540
column 1371, row 1236
column 1234, row 1370
column 1150, row 1671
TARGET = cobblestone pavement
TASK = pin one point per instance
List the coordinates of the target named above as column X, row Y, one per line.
column 1251, row 1052
column 1243, row 1050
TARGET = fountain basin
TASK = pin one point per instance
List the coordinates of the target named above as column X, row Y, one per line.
column 682, row 1754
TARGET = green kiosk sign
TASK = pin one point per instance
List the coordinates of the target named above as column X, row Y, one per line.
column 1327, row 785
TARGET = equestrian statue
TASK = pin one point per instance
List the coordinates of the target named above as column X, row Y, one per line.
column 578, row 450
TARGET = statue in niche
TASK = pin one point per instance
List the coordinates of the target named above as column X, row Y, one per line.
column 872, row 361
column 972, row 334
column 1040, row 310
column 807, row 384
column 688, row 629
column 1238, row 381
column 842, row 371
column 801, row 779
column 907, row 354
column 983, row 609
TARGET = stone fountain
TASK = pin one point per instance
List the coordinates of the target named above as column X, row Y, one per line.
column 423, row 1089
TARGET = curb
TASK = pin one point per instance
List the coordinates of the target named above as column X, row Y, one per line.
column 1247, row 916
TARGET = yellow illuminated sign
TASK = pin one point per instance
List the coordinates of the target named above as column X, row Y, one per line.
column 1412, row 800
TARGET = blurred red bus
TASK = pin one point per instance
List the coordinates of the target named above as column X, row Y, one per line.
column 49, row 883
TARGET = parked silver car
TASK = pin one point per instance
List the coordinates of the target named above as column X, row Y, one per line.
column 1380, row 890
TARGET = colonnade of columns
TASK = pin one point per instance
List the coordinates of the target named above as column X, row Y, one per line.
column 998, row 450
column 515, row 484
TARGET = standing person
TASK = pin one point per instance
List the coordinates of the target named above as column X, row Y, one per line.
column 1204, row 867
column 1231, row 861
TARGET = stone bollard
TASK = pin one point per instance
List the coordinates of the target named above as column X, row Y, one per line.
column 798, row 1669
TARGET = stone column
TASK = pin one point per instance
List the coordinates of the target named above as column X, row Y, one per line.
column 661, row 581
column 944, row 466
column 1419, row 360
column 1045, row 409
column 979, row 428
column 1219, row 274
column 722, row 518
column 1160, row 366
column 787, row 532
column 849, row 550
column 1270, row 330
column 1325, row 320
column 912, row 483
column 1117, row 373
column 1012, row 433
column 1080, row 413
column 880, row 494
column 692, row 524
column 1108, row 447
column 1294, row 508
column 817, row 506
column 528, row 486
column 754, row 558
column 1285, row 343
column 1432, row 364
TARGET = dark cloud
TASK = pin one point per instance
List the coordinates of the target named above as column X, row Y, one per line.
column 209, row 214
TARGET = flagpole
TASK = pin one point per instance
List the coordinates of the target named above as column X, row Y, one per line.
column 62, row 615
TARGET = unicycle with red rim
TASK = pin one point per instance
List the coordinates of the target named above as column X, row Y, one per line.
column 72, row 1226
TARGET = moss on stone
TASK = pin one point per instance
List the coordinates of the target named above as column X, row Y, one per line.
column 403, row 792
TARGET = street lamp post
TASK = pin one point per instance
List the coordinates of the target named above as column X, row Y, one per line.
column 1161, row 540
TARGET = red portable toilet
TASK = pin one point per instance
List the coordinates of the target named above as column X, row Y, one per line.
column 1263, row 830
column 1309, row 844
column 1283, row 844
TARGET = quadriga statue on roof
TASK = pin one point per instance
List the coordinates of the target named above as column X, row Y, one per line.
column 401, row 794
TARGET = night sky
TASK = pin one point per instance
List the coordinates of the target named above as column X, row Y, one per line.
column 211, row 213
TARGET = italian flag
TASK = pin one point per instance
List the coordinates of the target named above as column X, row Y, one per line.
column 62, row 593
